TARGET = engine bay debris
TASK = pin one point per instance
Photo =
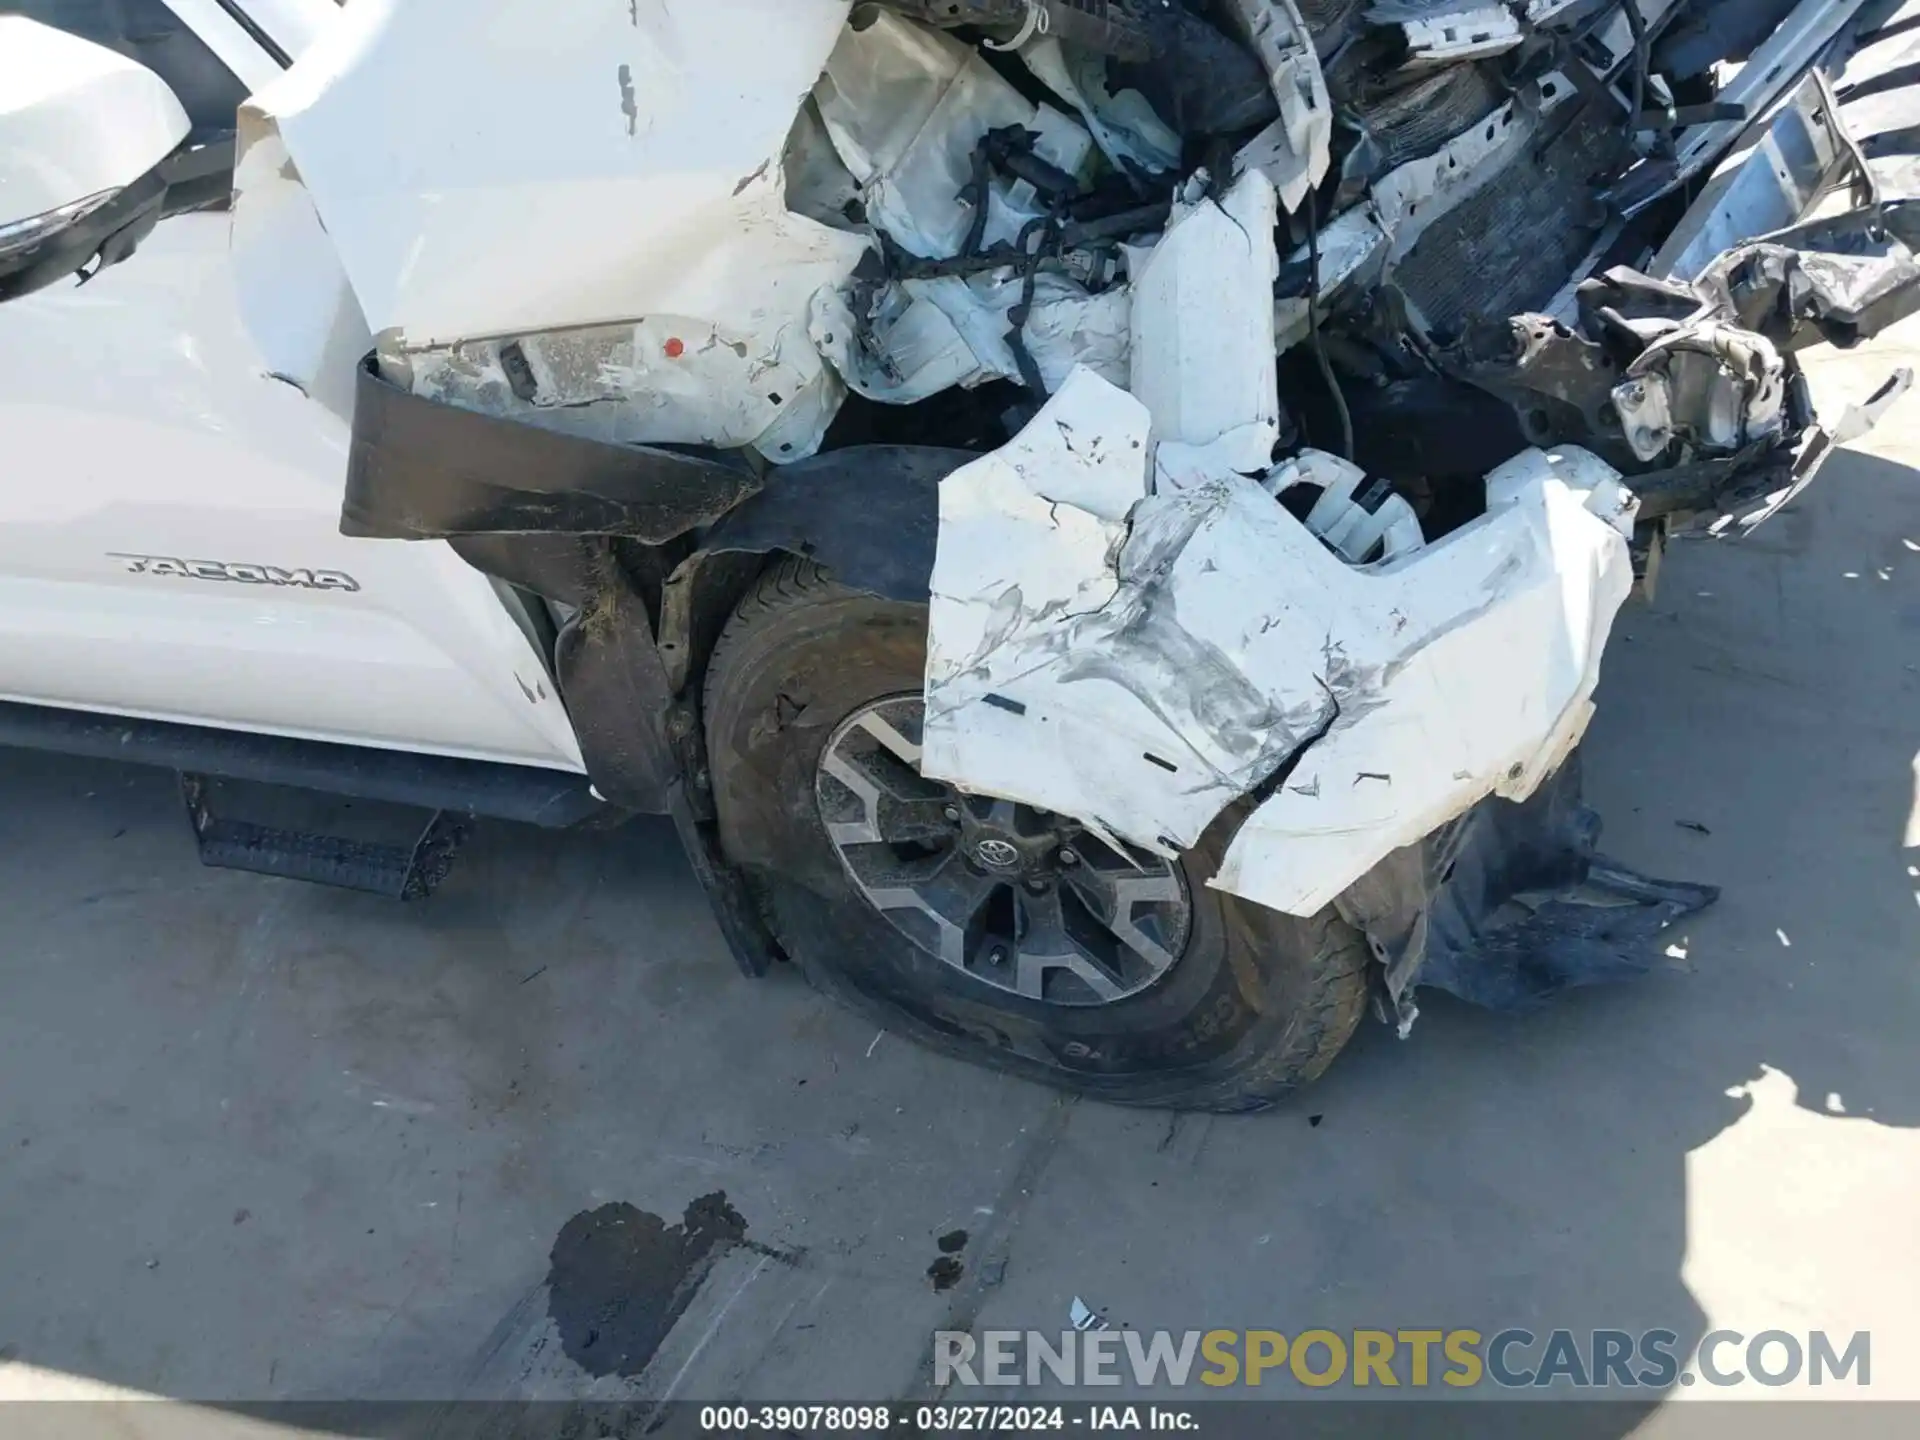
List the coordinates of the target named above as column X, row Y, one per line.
column 1331, row 365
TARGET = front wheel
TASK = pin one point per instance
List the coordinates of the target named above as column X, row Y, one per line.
column 1011, row 937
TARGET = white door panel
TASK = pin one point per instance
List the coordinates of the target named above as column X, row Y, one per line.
column 135, row 420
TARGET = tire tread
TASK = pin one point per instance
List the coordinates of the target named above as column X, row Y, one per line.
column 1336, row 974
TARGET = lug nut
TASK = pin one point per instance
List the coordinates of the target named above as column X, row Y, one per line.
column 997, row 955
column 1038, row 887
column 1067, row 857
column 952, row 812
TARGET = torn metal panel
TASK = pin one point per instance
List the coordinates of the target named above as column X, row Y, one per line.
column 592, row 187
column 1296, row 150
column 1696, row 381
column 498, row 168
column 1060, row 672
column 1203, row 325
column 666, row 379
column 1125, row 126
column 1464, row 672
column 1840, row 280
column 921, row 337
column 1713, row 387
column 1819, row 446
column 907, row 108
column 1142, row 677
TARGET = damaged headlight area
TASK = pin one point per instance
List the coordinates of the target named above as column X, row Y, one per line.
column 1334, row 368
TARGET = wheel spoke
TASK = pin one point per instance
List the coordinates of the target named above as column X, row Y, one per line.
column 1113, row 888
column 906, row 751
column 949, row 894
column 1045, row 945
column 986, row 884
column 879, row 767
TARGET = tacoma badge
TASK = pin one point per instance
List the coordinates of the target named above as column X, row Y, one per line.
column 238, row 574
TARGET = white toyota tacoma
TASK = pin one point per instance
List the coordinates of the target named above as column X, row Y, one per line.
column 1098, row 520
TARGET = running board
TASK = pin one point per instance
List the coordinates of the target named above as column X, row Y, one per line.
column 398, row 872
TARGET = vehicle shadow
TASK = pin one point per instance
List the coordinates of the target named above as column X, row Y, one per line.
column 270, row 1143
column 1712, row 1147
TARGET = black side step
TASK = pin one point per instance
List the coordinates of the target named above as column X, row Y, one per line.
column 399, row 872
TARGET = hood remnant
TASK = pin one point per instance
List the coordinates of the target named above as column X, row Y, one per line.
column 544, row 255
column 1151, row 263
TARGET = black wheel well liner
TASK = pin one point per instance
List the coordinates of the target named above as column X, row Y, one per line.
column 648, row 549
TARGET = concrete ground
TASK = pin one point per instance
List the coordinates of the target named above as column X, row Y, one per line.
column 269, row 1141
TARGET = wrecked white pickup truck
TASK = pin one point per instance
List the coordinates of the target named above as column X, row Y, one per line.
column 1098, row 519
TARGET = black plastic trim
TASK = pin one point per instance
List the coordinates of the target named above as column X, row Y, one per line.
column 266, row 42
column 422, row 470
column 552, row 799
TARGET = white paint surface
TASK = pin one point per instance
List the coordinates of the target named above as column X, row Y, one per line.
column 1475, row 664
column 293, row 294
column 1203, row 325
column 1469, row 32
column 495, row 167
column 140, row 418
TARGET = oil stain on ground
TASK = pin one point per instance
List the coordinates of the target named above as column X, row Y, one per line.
column 946, row 1270
column 621, row 1277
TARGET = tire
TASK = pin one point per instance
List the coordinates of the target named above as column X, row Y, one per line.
column 1252, row 1004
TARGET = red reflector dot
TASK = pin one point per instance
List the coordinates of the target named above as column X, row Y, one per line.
column 676, row 348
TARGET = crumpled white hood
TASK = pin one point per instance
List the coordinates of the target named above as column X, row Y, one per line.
column 478, row 177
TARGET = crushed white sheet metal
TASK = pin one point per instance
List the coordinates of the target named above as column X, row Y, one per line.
column 1203, row 318
column 583, row 201
column 1144, row 676
column 735, row 215
column 907, row 107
